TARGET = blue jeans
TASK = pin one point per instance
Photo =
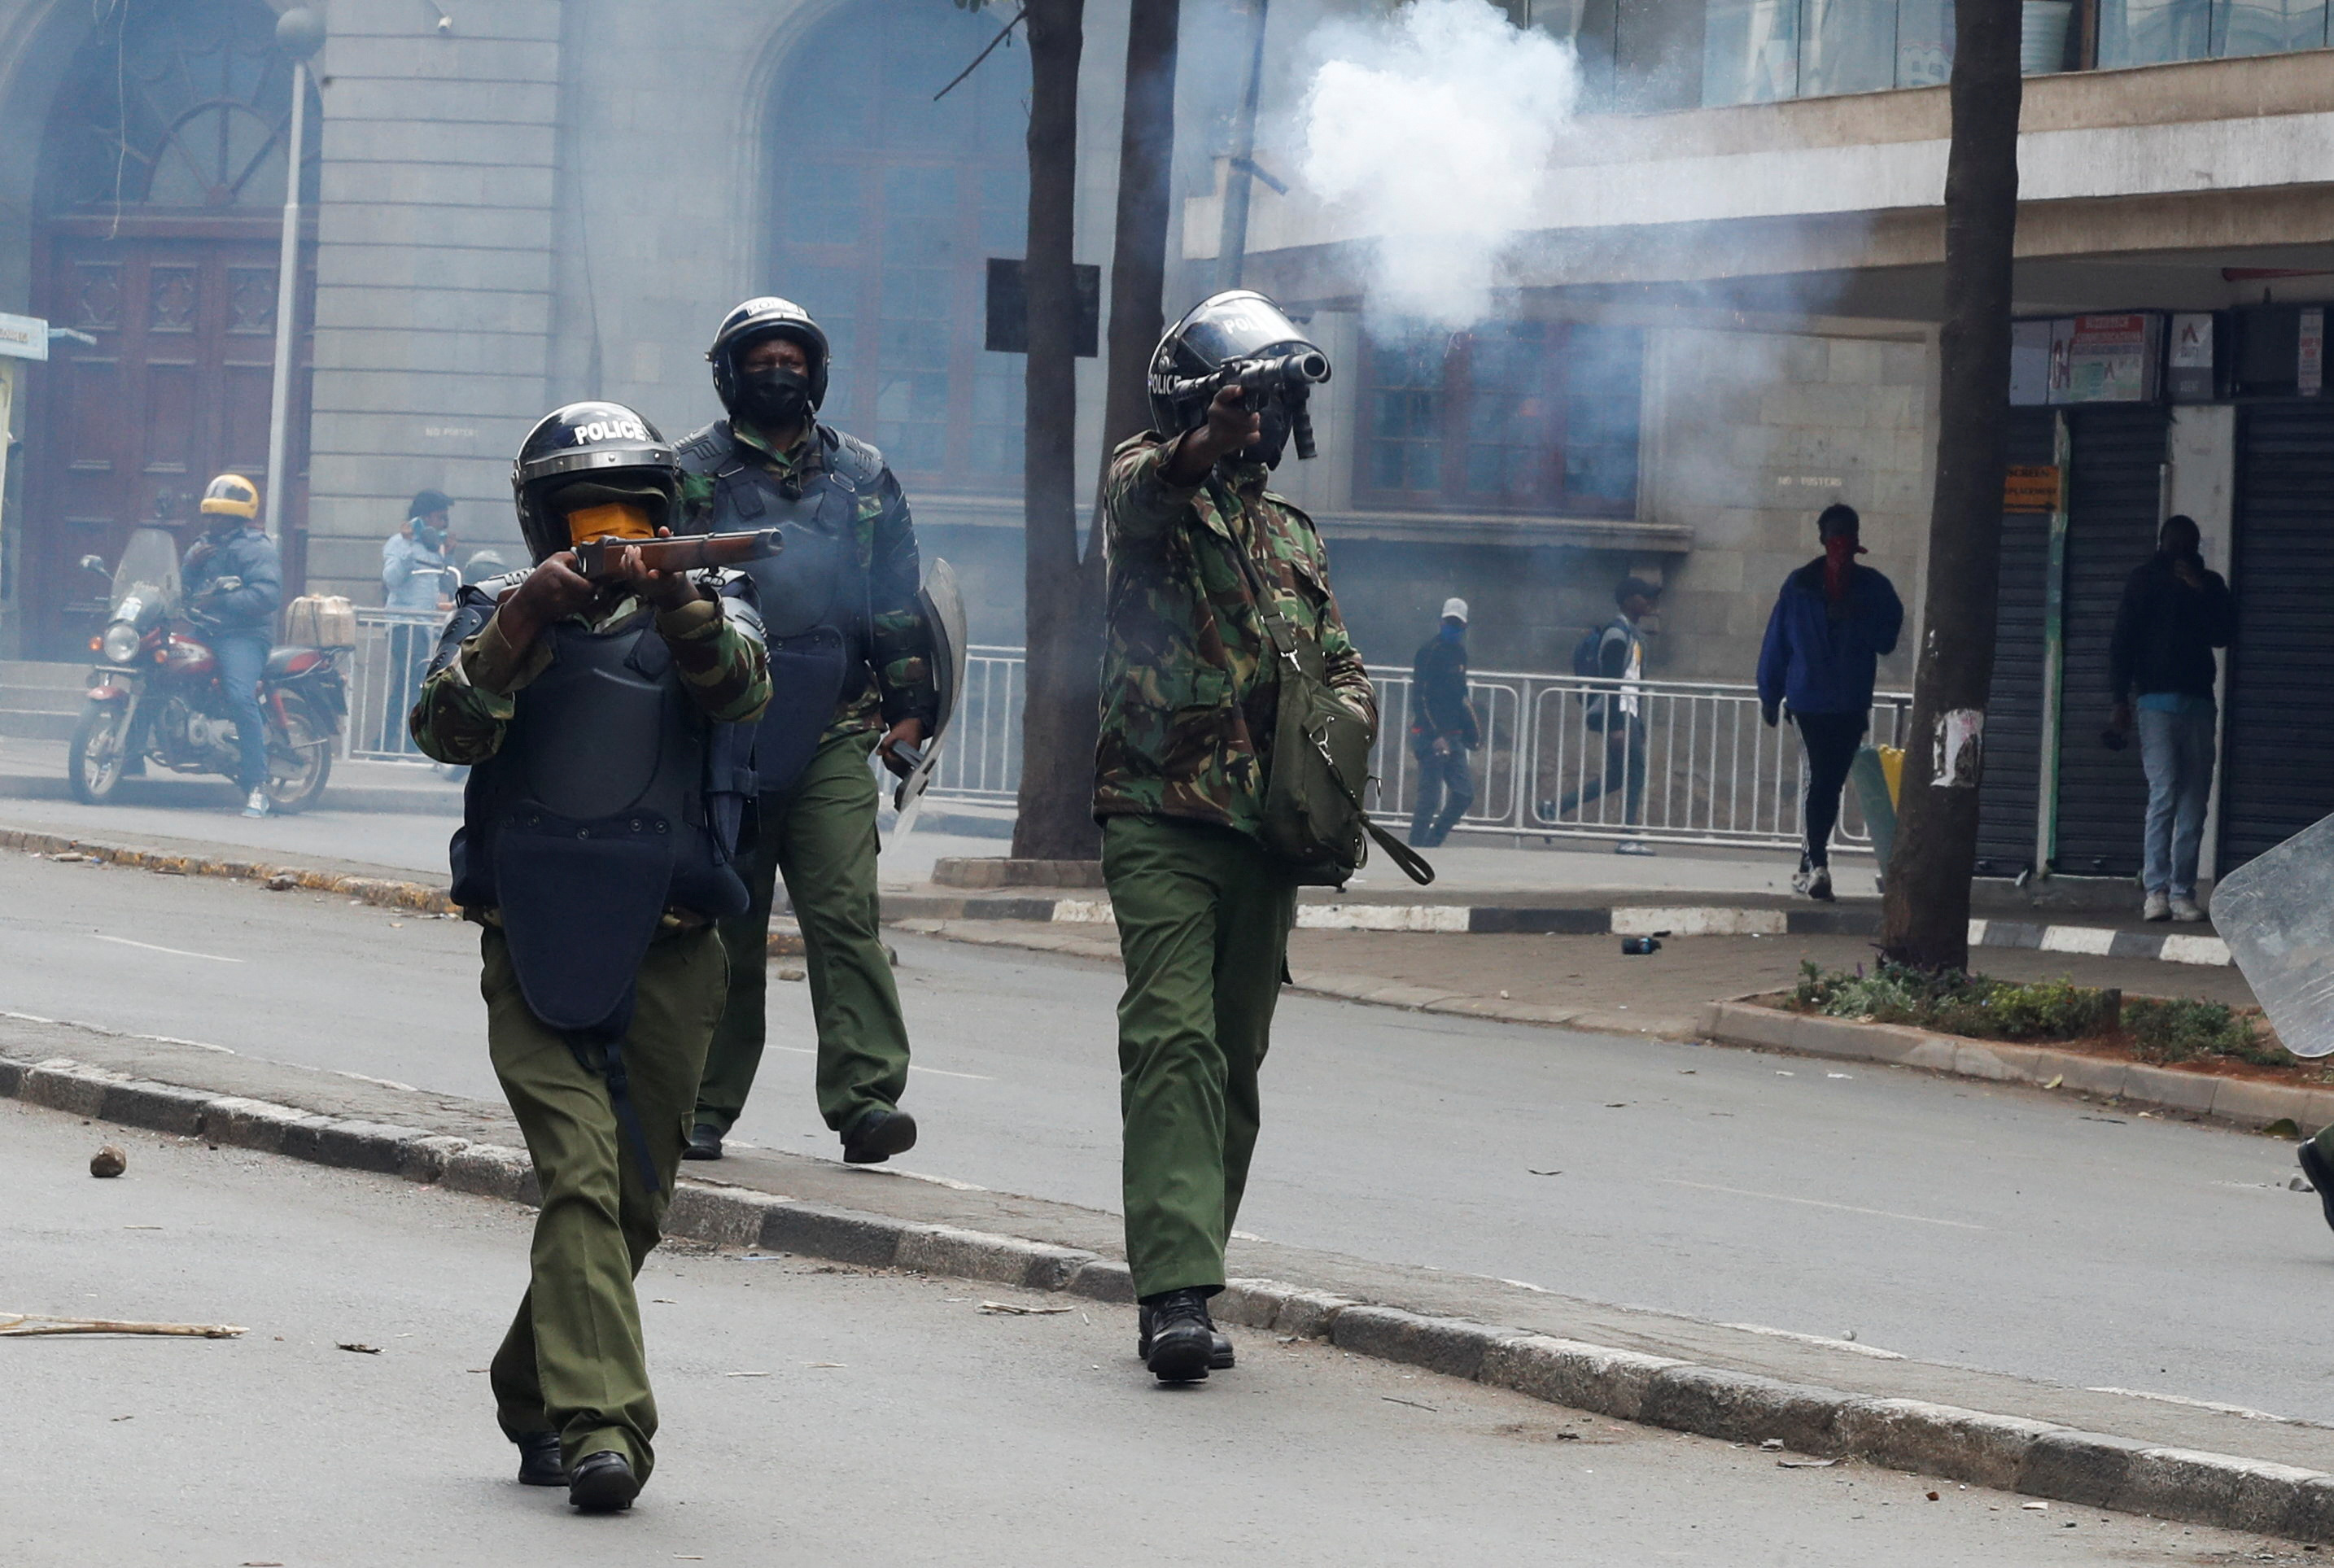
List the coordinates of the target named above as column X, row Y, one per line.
column 1625, row 767
column 2177, row 749
column 242, row 660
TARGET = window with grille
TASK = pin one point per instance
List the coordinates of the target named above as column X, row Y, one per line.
column 1514, row 417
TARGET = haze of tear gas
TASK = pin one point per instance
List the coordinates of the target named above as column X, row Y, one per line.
column 1431, row 129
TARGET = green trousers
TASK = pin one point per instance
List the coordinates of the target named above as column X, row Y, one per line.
column 1203, row 916
column 820, row 836
column 572, row 1361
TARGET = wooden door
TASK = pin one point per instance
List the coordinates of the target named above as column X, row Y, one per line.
column 175, row 388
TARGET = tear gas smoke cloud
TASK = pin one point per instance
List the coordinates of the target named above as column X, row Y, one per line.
column 1432, row 129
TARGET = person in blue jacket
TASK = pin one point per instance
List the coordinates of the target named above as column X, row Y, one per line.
column 1831, row 623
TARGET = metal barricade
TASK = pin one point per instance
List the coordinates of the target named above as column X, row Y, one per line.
column 384, row 671
column 1563, row 757
column 1705, row 769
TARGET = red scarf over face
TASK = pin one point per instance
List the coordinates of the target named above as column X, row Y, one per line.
column 1839, row 558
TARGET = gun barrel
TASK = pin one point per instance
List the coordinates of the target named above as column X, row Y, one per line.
column 688, row 552
column 1288, row 375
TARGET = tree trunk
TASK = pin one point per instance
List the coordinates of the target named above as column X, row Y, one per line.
column 1057, row 783
column 1057, row 819
column 1924, row 915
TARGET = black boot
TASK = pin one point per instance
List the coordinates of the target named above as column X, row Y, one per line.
column 878, row 1135
column 704, row 1142
column 1220, row 1344
column 602, row 1483
column 538, row 1460
column 1182, row 1340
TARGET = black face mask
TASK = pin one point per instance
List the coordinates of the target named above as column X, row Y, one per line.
column 773, row 399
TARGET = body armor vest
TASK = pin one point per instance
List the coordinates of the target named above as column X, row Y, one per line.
column 813, row 594
column 610, row 800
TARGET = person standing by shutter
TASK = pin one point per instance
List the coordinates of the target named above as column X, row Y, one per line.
column 1831, row 623
column 2174, row 613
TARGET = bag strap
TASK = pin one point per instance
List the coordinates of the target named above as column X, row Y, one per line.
column 1284, row 639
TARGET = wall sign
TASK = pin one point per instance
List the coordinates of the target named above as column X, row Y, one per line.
column 2105, row 359
column 2030, row 489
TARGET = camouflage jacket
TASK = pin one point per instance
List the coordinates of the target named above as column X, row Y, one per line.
column 1188, row 700
column 472, row 689
column 902, row 684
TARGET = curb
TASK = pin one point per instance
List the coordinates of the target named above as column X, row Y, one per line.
column 382, row 890
column 1093, row 908
column 2039, row 1459
column 2244, row 1101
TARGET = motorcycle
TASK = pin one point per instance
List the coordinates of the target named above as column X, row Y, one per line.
column 155, row 693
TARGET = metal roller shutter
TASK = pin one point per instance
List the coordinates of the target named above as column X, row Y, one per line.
column 2013, row 710
column 2115, row 499
column 2278, row 750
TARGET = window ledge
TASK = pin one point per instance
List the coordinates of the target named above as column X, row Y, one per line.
column 1507, row 529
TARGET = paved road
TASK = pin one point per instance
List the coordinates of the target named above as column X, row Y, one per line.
column 1948, row 1220
column 815, row 1415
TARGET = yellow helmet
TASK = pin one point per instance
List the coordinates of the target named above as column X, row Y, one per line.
column 232, row 496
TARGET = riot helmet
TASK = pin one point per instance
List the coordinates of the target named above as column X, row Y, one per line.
column 589, row 470
column 1242, row 326
column 769, row 398
column 229, row 500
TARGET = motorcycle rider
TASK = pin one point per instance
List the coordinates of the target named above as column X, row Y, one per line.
column 851, row 662
column 606, row 721
column 233, row 583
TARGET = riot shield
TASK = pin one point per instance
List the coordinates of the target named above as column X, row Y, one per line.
column 2276, row 912
column 942, row 604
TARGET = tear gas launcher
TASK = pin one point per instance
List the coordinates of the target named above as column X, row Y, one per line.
column 1288, row 379
column 687, row 553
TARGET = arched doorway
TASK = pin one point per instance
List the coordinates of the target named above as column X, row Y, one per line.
column 885, row 206
column 159, row 205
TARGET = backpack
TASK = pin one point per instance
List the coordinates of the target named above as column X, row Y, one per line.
column 1587, row 659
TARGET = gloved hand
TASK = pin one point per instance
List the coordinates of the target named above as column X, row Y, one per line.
column 1770, row 714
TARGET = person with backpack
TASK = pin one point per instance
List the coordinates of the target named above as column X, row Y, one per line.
column 1614, row 651
column 1831, row 623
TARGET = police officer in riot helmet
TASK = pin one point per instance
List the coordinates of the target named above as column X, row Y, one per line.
column 851, row 652
column 1190, row 690
column 607, row 721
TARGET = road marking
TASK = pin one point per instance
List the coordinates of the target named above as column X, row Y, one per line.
column 912, row 1067
column 2245, row 1412
column 117, row 1033
column 1829, row 1342
column 1820, row 1203
column 174, row 952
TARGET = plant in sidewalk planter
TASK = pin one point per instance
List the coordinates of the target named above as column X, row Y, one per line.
column 2182, row 1028
column 1958, row 1002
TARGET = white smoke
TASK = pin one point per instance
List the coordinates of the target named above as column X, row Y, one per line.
column 1431, row 129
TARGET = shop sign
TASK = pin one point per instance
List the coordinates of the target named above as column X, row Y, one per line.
column 2030, row 489
column 2105, row 359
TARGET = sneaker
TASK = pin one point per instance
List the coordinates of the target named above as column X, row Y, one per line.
column 1814, row 881
column 2157, row 907
column 1632, row 847
column 258, row 805
column 2185, row 910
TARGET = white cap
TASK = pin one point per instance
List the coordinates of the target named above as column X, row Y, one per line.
column 1455, row 610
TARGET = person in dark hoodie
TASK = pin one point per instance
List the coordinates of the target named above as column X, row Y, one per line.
column 2174, row 613
column 1832, row 621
